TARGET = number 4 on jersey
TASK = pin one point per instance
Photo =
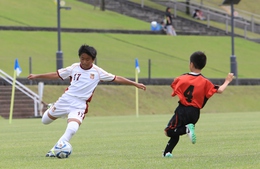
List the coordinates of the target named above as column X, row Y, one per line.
column 188, row 93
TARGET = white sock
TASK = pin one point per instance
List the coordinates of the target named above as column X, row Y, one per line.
column 72, row 128
column 45, row 118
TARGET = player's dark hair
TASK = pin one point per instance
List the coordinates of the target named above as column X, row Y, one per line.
column 91, row 51
column 199, row 59
column 167, row 9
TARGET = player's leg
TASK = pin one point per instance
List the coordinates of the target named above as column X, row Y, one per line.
column 47, row 118
column 192, row 116
column 74, row 121
column 190, row 130
column 170, row 146
column 72, row 128
column 173, row 131
column 175, row 128
column 176, row 125
column 57, row 110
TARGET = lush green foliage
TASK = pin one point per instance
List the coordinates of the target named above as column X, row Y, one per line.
column 224, row 140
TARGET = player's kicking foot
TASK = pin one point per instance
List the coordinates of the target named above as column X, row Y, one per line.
column 50, row 154
column 190, row 130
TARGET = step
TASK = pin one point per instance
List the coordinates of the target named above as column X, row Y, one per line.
column 23, row 105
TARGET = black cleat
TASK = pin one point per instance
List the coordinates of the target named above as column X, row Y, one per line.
column 50, row 154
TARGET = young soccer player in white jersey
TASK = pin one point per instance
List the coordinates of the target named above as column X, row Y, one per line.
column 84, row 77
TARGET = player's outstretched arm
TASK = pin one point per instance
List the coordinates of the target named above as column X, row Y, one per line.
column 229, row 79
column 122, row 80
column 52, row 75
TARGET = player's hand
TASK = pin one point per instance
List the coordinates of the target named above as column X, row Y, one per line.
column 31, row 76
column 141, row 86
column 230, row 77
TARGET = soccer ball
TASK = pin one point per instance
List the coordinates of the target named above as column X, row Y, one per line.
column 62, row 149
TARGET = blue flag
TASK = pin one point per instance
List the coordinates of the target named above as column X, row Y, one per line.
column 17, row 67
column 137, row 66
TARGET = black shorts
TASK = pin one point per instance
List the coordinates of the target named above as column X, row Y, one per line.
column 183, row 115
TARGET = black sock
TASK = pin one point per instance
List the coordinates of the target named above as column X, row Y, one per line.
column 171, row 144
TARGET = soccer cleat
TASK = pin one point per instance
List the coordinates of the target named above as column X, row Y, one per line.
column 50, row 154
column 190, row 130
column 49, row 105
column 168, row 155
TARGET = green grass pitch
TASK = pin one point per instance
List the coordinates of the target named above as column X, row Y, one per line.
column 224, row 140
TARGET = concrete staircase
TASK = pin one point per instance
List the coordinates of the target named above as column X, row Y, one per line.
column 23, row 105
column 182, row 25
column 26, row 103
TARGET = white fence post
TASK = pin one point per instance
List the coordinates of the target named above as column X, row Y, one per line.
column 40, row 92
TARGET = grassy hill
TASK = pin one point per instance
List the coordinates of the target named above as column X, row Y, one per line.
column 116, row 53
column 120, row 100
column 81, row 15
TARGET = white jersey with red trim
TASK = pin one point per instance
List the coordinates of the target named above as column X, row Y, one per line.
column 83, row 82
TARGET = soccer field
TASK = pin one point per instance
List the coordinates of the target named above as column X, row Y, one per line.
column 224, row 140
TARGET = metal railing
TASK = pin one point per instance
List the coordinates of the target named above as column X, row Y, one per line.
column 38, row 104
column 212, row 14
column 253, row 19
column 244, row 20
column 227, row 20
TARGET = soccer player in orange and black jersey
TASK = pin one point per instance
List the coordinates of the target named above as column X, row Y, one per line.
column 193, row 90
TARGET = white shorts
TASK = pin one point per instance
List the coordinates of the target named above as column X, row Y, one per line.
column 69, row 106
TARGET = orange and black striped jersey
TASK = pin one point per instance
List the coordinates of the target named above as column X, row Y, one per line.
column 193, row 89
